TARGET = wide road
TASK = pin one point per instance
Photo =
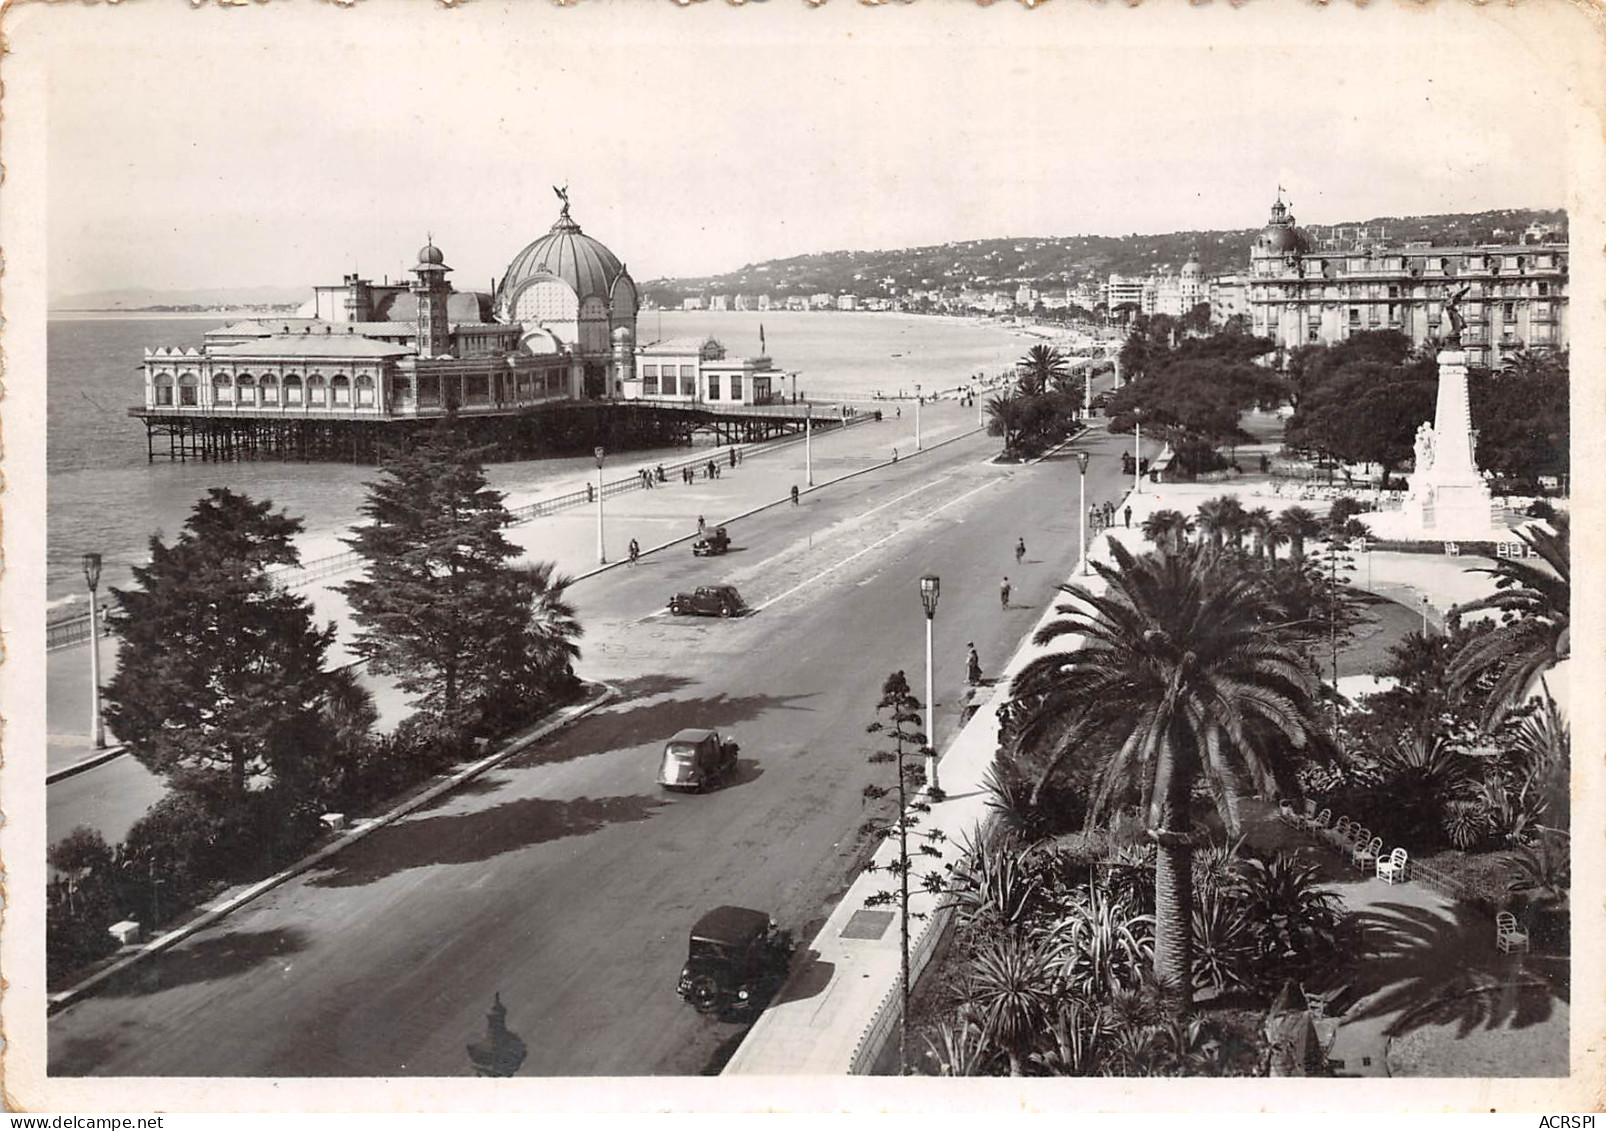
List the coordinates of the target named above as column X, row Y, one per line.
column 565, row 880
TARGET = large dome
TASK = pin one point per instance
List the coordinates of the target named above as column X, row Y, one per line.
column 566, row 253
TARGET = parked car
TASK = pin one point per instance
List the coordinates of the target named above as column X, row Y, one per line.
column 714, row 544
column 697, row 759
column 735, row 961
column 709, row 601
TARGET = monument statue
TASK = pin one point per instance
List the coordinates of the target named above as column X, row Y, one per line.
column 1424, row 447
column 1452, row 313
column 563, row 195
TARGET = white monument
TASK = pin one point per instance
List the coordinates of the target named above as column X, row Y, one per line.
column 1447, row 497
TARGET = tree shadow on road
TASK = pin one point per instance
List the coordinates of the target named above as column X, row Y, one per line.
column 468, row 838
column 205, row 958
column 633, row 722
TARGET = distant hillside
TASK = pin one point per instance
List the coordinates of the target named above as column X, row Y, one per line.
column 1058, row 260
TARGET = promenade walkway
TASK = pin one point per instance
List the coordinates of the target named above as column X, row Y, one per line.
column 112, row 796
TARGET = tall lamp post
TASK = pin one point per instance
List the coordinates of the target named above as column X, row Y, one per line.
column 1087, row 390
column 918, row 399
column 1081, row 507
column 602, row 552
column 930, row 587
column 97, row 729
column 1137, row 454
column 808, row 442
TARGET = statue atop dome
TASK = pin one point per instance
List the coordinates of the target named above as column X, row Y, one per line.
column 563, row 195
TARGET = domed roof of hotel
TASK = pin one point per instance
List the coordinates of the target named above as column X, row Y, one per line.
column 1282, row 235
column 1192, row 267
column 584, row 263
column 430, row 254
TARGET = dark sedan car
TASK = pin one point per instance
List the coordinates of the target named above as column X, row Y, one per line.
column 709, row 601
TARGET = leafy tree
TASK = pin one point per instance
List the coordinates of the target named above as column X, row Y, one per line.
column 1004, row 419
column 221, row 682
column 1522, row 417
column 439, row 608
column 1185, row 666
column 1222, row 519
column 1535, row 603
column 898, row 715
column 1011, row 990
column 1361, row 399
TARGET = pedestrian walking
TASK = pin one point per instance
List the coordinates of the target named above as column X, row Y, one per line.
column 794, row 494
column 1093, row 518
column 701, row 526
column 1003, row 594
column 662, row 478
column 1020, row 550
column 900, row 412
column 894, row 455
column 733, row 457
column 973, row 666
column 1127, row 514
column 1109, row 514
column 635, row 551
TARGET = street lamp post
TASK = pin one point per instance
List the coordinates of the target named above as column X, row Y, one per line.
column 1424, row 616
column 918, row 399
column 602, row 551
column 808, row 442
column 97, row 729
column 1087, row 390
column 930, row 588
column 1137, row 454
column 1081, row 506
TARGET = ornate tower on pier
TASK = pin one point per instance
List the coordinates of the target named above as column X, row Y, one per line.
column 434, row 331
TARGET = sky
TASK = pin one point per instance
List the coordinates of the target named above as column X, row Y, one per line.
column 291, row 143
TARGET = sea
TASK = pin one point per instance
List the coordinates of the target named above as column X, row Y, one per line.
column 104, row 496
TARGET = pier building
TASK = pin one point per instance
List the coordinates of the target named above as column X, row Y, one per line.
column 545, row 363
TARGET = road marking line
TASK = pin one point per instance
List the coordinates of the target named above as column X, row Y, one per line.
column 871, row 546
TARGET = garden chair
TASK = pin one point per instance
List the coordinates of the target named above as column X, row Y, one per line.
column 1300, row 818
column 1285, row 811
column 1507, row 935
column 1317, row 825
column 1364, row 854
column 1392, row 868
column 1341, row 832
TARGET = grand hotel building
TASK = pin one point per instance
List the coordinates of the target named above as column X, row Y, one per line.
column 1301, row 293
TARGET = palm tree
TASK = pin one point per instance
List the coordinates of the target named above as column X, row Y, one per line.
column 1004, row 419
column 1260, row 524
column 1533, row 635
column 1041, row 367
column 1220, row 518
column 1168, row 530
column 1298, row 525
column 1186, row 672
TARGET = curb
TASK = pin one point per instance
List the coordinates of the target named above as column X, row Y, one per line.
column 58, row 1001
column 89, row 763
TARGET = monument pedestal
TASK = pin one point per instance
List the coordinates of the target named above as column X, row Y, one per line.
column 1447, row 498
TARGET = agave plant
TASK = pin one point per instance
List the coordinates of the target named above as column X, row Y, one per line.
column 1224, row 943
column 996, row 887
column 1100, row 947
column 1295, row 920
column 1075, row 1042
column 961, row 1048
column 1010, row 990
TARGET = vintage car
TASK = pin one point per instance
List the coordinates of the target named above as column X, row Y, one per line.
column 708, row 601
column 714, row 544
column 736, row 959
column 697, row 759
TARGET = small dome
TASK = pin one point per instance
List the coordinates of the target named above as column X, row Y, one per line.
column 541, row 343
column 622, row 335
column 1192, row 268
column 431, row 255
